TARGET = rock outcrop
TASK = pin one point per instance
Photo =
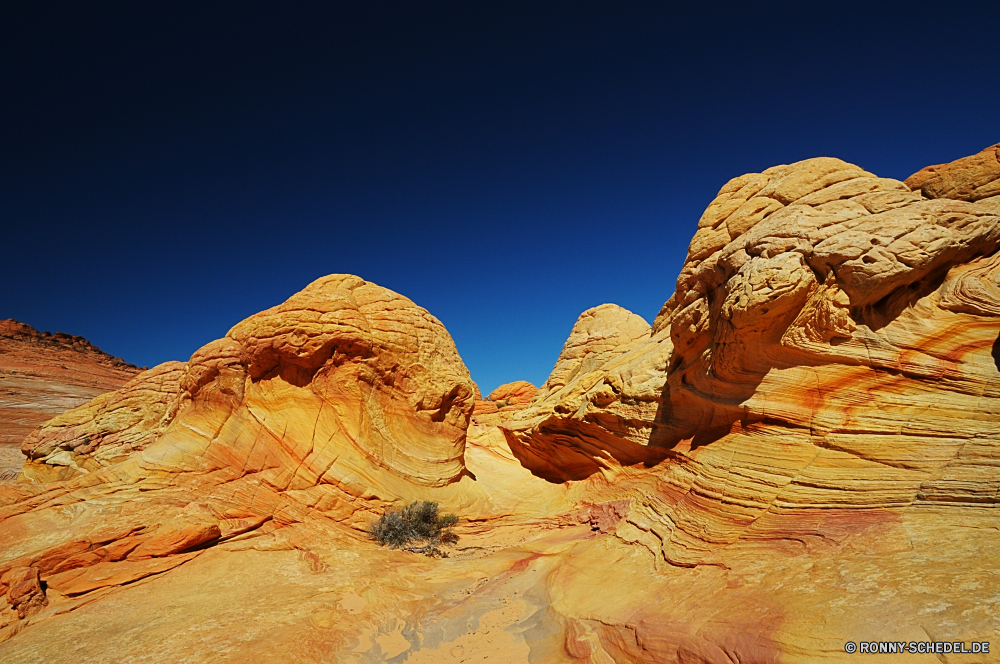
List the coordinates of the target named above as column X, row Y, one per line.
column 372, row 367
column 974, row 178
column 598, row 336
column 514, row 395
column 44, row 374
column 108, row 429
column 801, row 451
column 345, row 392
column 827, row 371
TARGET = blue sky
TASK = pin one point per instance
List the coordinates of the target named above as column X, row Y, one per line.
column 167, row 172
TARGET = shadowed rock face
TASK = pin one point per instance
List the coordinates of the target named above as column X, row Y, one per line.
column 799, row 452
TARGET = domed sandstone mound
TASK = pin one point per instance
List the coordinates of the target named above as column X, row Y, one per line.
column 801, row 452
column 371, row 366
column 599, row 335
column 345, row 392
column 516, row 394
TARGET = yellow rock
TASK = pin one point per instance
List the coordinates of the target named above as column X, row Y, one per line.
column 800, row 452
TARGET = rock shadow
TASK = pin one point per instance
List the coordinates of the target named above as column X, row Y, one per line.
column 562, row 451
column 996, row 353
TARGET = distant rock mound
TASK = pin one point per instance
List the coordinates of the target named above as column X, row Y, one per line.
column 514, row 395
column 503, row 402
column 43, row 374
column 599, row 335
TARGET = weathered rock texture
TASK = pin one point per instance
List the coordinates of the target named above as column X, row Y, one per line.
column 44, row 374
column 600, row 335
column 974, row 178
column 108, row 429
column 800, row 452
column 823, row 385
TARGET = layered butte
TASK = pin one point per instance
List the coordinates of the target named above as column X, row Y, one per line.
column 800, row 451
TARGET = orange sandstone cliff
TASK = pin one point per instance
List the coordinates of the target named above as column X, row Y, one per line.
column 44, row 374
column 801, row 451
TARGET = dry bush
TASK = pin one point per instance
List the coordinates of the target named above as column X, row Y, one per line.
column 418, row 527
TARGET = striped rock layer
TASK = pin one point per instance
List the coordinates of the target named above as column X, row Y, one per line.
column 802, row 450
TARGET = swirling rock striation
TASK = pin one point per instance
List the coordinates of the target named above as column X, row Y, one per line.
column 43, row 374
column 799, row 452
column 343, row 394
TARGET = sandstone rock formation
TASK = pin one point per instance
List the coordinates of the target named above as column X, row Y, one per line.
column 973, row 178
column 44, row 374
column 800, row 452
column 309, row 413
column 503, row 402
column 598, row 336
column 824, row 384
column 516, row 394
column 108, row 429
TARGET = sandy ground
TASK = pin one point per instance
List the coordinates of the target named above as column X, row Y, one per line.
column 11, row 461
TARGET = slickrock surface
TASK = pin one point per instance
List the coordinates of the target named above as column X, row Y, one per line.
column 801, row 451
column 44, row 374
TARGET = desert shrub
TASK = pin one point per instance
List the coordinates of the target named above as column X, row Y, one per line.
column 501, row 403
column 417, row 527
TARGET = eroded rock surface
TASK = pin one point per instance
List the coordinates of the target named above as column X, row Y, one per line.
column 598, row 336
column 44, row 374
column 826, row 374
column 801, row 451
column 108, row 429
column 972, row 178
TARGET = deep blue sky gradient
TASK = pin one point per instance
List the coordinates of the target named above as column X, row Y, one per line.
column 165, row 173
